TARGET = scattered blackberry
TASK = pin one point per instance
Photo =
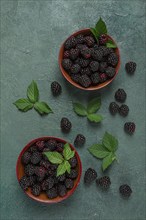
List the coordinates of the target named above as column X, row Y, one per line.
column 89, row 41
column 36, row 190
column 123, row 110
column 65, row 125
column 90, row 175
column 56, row 88
column 94, row 65
column 73, row 174
column 24, row 182
column 36, row 157
column 66, row 54
column 86, row 53
column 103, row 77
column 103, row 39
column 120, row 95
column 40, row 145
column 129, row 127
column 75, row 68
column 97, row 54
column 80, row 39
column 52, row 144
column 32, row 149
column 85, row 81
column 32, row 180
column 70, row 43
column 73, row 162
column 74, row 53
column 45, row 163
column 110, row 71
column 69, row 183
column 60, row 147
column 66, row 63
column 86, row 71
column 125, row 190
column 113, row 59
column 83, row 62
column 52, row 193
column 50, row 182
column 79, row 140
column 106, row 51
column 61, row 178
column 75, row 77
column 62, row 191
column 113, row 108
column 29, row 169
column 130, row 67
column 104, row 182
column 95, row 78
column 40, row 172
column 26, row 157
column 102, row 67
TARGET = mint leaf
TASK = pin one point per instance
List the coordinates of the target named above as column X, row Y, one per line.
column 93, row 30
column 95, row 117
column 79, row 109
column 98, row 150
column 107, row 161
column 111, row 44
column 67, row 152
column 42, row 108
column 33, row 92
column 101, row 27
column 67, row 166
column 54, row 157
column 63, row 167
column 94, row 105
column 110, row 142
column 23, row 104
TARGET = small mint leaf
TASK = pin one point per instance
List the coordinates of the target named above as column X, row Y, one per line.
column 95, row 118
column 110, row 142
column 111, row 44
column 67, row 152
column 79, row 109
column 95, row 34
column 101, row 27
column 54, row 157
column 107, row 161
column 42, row 108
column 98, row 150
column 94, row 105
column 23, row 105
column 61, row 169
column 67, row 166
column 33, row 92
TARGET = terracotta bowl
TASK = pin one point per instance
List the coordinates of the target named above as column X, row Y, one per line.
column 65, row 73
column 43, row 197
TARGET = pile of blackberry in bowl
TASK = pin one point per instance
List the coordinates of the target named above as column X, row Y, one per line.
column 48, row 169
column 89, row 59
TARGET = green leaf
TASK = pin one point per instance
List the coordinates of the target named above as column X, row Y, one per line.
column 101, row 27
column 23, row 104
column 94, row 105
column 33, row 92
column 67, row 166
column 79, row 109
column 110, row 142
column 111, row 44
column 42, row 108
column 54, row 157
column 95, row 117
column 63, row 167
column 93, row 30
column 67, row 152
column 107, row 161
column 99, row 151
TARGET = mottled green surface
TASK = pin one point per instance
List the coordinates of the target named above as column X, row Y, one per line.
column 31, row 34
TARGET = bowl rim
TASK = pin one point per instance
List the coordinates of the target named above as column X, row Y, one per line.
column 66, row 75
column 70, row 192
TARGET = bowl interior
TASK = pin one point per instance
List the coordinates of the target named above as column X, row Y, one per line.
column 66, row 75
column 43, row 197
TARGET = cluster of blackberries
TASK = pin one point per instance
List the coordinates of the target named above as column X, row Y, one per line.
column 88, row 62
column 40, row 173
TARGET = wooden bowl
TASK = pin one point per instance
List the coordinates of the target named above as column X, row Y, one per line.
column 43, row 197
column 65, row 73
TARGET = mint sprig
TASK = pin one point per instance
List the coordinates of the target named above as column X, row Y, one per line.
column 32, row 101
column 105, row 150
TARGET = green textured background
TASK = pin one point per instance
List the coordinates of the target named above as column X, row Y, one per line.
column 31, row 35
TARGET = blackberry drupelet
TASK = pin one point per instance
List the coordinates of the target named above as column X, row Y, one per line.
column 40, row 145
column 62, row 191
column 103, row 182
column 94, row 65
column 102, row 67
column 70, row 43
column 74, row 53
column 73, row 162
column 120, row 95
column 52, row 144
column 113, row 59
column 26, row 157
column 103, row 39
column 113, row 108
column 65, row 125
column 86, row 71
column 36, row 190
column 130, row 67
column 129, row 127
column 103, row 77
column 90, row 175
column 124, row 110
column 36, row 157
column 95, row 78
column 24, row 182
column 73, row 174
column 80, row 39
column 125, row 190
column 89, row 41
column 79, row 140
column 66, row 63
column 75, row 69
column 56, row 88
column 110, row 71
column 66, row 54
column 52, row 193
column 29, row 169
column 85, row 81
column 69, row 183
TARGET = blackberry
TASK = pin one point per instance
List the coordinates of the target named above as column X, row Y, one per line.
column 120, row 95
column 66, row 63
column 97, row 54
column 79, row 140
column 40, row 145
column 51, row 172
column 62, row 191
column 36, row 190
column 86, row 71
column 130, row 67
column 32, row 149
column 80, row 39
column 65, row 125
column 54, row 166
column 44, row 185
column 106, row 51
column 45, row 163
column 104, row 182
column 113, row 59
column 81, row 47
column 73, row 162
column 125, row 190
column 29, row 169
column 103, row 77
column 75, row 77
column 90, row 175
column 69, row 183
column 95, row 78
column 85, row 81
column 124, row 110
column 61, row 178
column 94, row 65
column 110, row 71
column 52, row 193
column 49, row 182
column 74, row 53
column 66, row 54
column 102, row 67
column 75, row 68
column 129, row 127
column 73, row 174
column 36, row 157
column 103, row 39
column 24, row 182
column 56, row 88
column 32, row 180
column 40, row 172
column 52, row 144
column 113, row 108
column 83, row 62
column 89, row 41
column 86, row 53
column 60, row 147
column 70, row 43
column 26, row 157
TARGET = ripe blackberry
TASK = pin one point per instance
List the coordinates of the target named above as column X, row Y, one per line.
column 97, row 54
column 53, row 167
column 120, row 95
column 124, row 110
column 66, row 54
column 96, row 46
column 74, row 53
column 110, row 71
column 80, row 39
column 73, row 162
column 26, row 157
column 75, row 68
column 66, row 63
column 52, row 193
column 60, row 147
column 89, row 41
column 102, row 67
column 45, row 163
column 32, row 149
column 44, row 185
column 50, row 182
column 32, row 180
column 61, row 178
column 130, row 67
column 113, row 108
column 83, row 62
column 125, row 190
column 103, row 39
column 40, row 145
column 86, row 71
column 90, row 175
column 40, row 172
column 86, row 53
column 24, row 182
column 94, row 65
column 81, row 47
column 70, row 43
column 36, row 157
column 65, row 125
column 56, row 88
column 104, row 182
column 62, row 191
column 36, row 190
column 29, row 169
column 113, row 59
column 106, row 51
column 79, row 140
column 95, row 78
column 129, row 127
column 73, row 174
column 103, row 77
column 69, row 183
column 75, row 77
column 85, row 81
column 52, row 144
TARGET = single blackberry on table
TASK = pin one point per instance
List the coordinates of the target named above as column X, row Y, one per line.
column 130, row 67
column 74, row 53
column 45, row 163
column 66, row 54
column 85, row 81
column 61, row 178
column 75, row 77
column 32, row 149
column 52, row 144
column 83, row 62
column 120, row 95
column 69, row 183
column 129, row 127
column 80, row 39
column 75, row 69
column 102, row 67
column 103, row 39
column 36, row 157
column 29, row 169
column 32, row 180
column 90, row 175
column 26, row 157
column 62, row 191
column 95, row 78
column 104, row 182
column 79, row 140
column 65, row 125
column 124, row 110
column 89, row 41
column 52, row 193
column 66, row 63
column 73, row 174
column 113, row 59
column 70, row 43
column 94, row 65
column 60, row 147
column 36, row 190
column 125, row 190
column 97, row 54
column 103, row 77
column 73, row 162
column 40, row 171
column 113, row 108
column 110, row 71
column 24, row 182
column 56, row 88
column 40, row 145
column 86, row 71
column 86, row 53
